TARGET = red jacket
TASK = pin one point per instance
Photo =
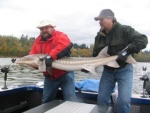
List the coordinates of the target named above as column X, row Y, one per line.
column 53, row 46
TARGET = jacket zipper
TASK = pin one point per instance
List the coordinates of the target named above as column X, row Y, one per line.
column 40, row 48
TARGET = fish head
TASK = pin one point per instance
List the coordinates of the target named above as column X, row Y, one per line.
column 25, row 60
column 29, row 59
column 34, row 60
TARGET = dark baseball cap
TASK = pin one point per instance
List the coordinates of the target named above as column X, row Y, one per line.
column 105, row 13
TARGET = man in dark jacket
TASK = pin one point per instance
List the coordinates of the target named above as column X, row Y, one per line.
column 122, row 40
column 57, row 45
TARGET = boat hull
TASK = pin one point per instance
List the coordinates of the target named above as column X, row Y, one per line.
column 23, row 99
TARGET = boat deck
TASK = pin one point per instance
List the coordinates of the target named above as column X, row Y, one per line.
column 59, row 106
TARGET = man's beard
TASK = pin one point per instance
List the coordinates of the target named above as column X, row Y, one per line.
column 45, row 36
column 102, row 27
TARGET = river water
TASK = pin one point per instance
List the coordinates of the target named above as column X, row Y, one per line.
column 25, row 75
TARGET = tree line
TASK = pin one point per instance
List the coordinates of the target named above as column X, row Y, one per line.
column 11, row 46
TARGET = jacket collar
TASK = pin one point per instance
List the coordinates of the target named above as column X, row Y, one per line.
column 116, row 24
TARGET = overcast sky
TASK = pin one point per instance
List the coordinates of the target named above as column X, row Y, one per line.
column 73, row 17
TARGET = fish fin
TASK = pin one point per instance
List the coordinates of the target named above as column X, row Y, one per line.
column 104, row 54
column 90, row 68
column 42, row 58
column 131, row 60
column 113, row 64
column 41, row 65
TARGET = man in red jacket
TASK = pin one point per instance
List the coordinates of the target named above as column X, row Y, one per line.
column 57, row 45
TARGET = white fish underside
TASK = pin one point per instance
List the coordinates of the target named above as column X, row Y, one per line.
column 74, row 63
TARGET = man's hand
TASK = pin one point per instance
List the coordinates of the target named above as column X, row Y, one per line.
column 48, row 61
column 122, row 57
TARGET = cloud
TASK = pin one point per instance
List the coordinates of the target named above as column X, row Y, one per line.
column 74, row 17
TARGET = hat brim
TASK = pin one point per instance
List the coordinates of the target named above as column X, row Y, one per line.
column 45, row 26
column 97, row 18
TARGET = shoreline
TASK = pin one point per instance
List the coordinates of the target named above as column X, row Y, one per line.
column 10, row 57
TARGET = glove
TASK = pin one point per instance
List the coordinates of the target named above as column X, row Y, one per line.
column 122, row 56
column 48, row 61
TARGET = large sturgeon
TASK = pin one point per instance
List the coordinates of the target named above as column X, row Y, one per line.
column 73, row 63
